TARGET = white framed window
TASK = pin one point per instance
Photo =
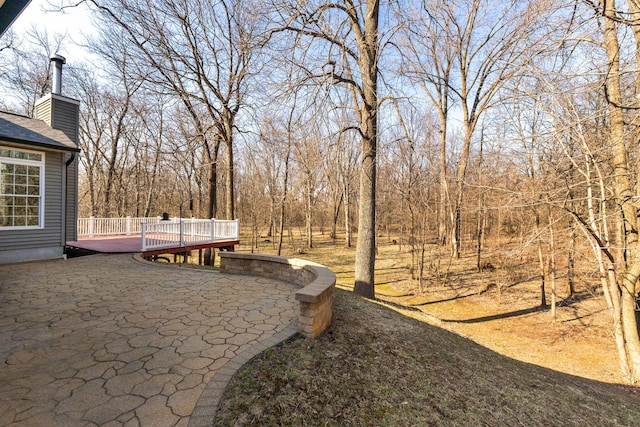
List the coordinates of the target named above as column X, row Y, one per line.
column 21, row 188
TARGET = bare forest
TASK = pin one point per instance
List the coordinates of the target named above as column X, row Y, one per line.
column 498, row 130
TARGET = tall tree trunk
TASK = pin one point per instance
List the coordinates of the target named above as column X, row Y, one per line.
column 412, row 241
column 230, row 196
column 336, row 214
column 272, row 212
column 366, row 247
column 634, row 8
column 285, row 188
column 571, row 256
column 624, row 192
column 444, row 207
column 541, row 261
column 152, row 185
column 108, row 191
column 606, row 264
column 460, row 177
column 309, row 214
column 552, row 267
column 212, row 206
column 212, row 159
column 481, row 209
column 347, row 215
column 116, row 132
column 92, row 192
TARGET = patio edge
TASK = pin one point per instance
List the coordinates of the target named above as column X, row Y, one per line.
column 207, row 405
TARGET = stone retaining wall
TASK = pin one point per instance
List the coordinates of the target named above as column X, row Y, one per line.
column 317, row 283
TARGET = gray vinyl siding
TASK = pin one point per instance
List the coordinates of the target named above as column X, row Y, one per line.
column 60, row 113
column 72, row 200
column 60, row 206
column 51, row 234
column 65, row 117
column 63, row 114
column 43, row 111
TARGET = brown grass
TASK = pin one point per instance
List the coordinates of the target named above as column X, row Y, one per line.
column 499, row 309
column 378, row 367
column 381, row 367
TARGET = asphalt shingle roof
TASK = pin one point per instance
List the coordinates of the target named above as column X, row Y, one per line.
column 24, row 130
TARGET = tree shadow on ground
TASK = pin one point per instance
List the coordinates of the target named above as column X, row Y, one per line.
column 507, row 315
column 581, row 318
column 457, row 297
column 575, row 298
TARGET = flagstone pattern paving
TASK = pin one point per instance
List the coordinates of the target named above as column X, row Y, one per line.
column 107, row 340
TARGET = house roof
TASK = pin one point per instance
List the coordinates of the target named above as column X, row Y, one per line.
column 36, row 133
column 9, row 11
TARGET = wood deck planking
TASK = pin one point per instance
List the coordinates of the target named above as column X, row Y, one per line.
column 133, row 244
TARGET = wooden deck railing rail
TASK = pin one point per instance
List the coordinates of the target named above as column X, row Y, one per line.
column 92, row 226
column 188, row 233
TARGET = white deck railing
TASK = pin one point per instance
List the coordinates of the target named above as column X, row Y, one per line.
column 93, row 226
column 188, row 232
column 157, row 234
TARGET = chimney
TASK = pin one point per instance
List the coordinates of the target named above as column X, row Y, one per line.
column 56, row 110
column 57, row 61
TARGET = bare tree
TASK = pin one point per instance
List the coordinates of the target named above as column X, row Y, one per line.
column 104, row 124
column 428, row 57
column 340, row 165
column 413, row 180
column 308, row 156
column 623, row 292
column 472, row 50
column 589, row 125
column 200, row 52
column 26, row 75
column 348, row 33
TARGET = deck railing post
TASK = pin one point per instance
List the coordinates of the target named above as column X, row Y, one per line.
column 128, row 226
column 144, row 240
column 91, row 224
column 213, row 230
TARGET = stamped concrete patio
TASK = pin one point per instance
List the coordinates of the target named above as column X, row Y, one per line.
column 112, row 341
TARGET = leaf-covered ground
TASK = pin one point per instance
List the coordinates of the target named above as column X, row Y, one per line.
column 376, row 367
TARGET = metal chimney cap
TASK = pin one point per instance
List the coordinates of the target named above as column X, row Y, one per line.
column 56, row 57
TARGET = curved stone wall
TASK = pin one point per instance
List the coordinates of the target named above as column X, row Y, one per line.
column 316, row 282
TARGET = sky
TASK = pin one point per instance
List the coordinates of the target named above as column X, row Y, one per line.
column 76, row 22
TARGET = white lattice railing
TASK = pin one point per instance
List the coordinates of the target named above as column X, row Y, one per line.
column 188, row 232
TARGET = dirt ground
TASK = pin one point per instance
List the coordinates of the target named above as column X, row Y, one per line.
column 497, row 308
column 511, row 322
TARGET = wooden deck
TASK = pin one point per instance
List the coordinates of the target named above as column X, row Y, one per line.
column 133, row 244
column 109, row 244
